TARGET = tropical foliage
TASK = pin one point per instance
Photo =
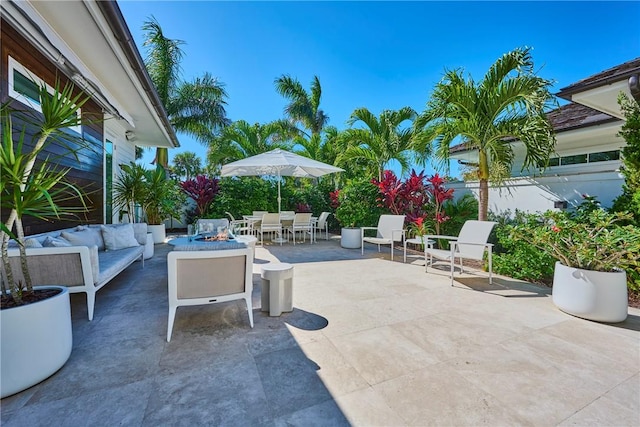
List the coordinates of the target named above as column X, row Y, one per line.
column 202, row 119
column 35, row 187
column 303, row 107
column 186, row 165
column 381, row 140
column 202, row 190
column 508, row 104
column 629, row 200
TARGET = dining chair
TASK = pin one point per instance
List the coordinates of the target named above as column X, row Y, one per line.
column 301, row 223
column 323, row 223
column 271, row 224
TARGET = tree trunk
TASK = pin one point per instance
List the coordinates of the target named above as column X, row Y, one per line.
column 483, row 206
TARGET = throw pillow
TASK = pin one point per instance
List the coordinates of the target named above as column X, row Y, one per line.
column 32, row 243
column 118, row 237
column 56, row 242
column 86, row 237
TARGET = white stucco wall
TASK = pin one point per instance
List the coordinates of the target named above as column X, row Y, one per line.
column 538, row 194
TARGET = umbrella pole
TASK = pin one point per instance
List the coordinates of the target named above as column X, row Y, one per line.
column 279, row 198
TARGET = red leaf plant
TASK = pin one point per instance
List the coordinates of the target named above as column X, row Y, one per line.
column 334, row 196
column 439, row 195
column 202, row 190
column 403, row 198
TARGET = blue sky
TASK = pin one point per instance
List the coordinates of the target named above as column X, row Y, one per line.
column 379, row 55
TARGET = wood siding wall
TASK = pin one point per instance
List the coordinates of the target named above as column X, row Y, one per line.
column 87, row 166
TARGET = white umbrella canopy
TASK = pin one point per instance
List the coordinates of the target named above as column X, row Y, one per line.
column 278, row 163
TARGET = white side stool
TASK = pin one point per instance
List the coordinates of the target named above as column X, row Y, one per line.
column 149, row 247
column 277, row 288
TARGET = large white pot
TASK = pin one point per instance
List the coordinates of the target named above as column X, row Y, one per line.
column 158, row 231
column 36, row 341
column 594, row 295
column 350, row 238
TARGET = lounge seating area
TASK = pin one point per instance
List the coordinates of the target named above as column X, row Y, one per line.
column 369, row 342
column 83, row 258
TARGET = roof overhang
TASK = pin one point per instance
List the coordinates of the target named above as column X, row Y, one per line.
column 90, row 42
column 604, row 98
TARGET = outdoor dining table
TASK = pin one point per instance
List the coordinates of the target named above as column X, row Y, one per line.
column 253, row 219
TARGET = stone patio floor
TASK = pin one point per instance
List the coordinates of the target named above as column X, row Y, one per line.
column 371, row 342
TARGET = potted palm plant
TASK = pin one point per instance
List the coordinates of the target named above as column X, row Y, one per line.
column 160, row 199
column 35, row 321
column 593, row 251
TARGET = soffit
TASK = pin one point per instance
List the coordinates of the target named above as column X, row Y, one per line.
column 80, row 32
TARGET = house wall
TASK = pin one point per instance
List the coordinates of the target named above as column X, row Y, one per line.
column 538, row 194
column 86, row 170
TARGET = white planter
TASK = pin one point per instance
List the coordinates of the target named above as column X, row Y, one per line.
column 159, row 233
column 350, row 238
column 594, row 295
column 36, row 341
column 149, row 248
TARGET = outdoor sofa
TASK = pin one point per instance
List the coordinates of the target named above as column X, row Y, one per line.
column 83, row 258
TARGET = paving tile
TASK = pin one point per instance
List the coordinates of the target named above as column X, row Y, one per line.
column 91, row 369
column 381, row 354
column 604, row 412
column 106, row 407
column 367, row 407
column 290, row 381
column 324, row 414
column 338, row 376
column 224, row 394
column 438, row 396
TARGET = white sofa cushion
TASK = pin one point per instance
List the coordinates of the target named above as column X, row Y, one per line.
column 119, row 236
column 85, row 237
column 56, row 242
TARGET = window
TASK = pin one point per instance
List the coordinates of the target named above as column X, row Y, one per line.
column 24, row 86
column 573, row 160
column 604, row 156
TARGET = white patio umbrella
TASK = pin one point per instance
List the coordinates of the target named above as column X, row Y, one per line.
column 278, row 163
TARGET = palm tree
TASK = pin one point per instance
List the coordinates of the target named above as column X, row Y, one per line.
column 196, row 108
column 186, row 165
column 382, row 140
column 304, row 107
column 508, row 104
column 241, row 140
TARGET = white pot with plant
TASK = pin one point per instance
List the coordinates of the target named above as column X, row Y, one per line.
column 36, row 335
column 593, row 251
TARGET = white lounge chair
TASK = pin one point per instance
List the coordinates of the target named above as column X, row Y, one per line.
column 390, row 229
column 469, row 244
column 207, row 277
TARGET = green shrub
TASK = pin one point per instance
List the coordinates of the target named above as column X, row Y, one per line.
column 359, row 204
column 517, row 258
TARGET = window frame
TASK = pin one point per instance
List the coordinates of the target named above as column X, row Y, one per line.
column 13, row 66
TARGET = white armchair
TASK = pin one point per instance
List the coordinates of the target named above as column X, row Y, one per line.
column 471, row 243
column 390, row 229
column 208, row 277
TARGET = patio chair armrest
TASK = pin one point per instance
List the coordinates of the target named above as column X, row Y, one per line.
column 368, row 228
column 437, row 236
column 488, row 245
column 402, row 232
